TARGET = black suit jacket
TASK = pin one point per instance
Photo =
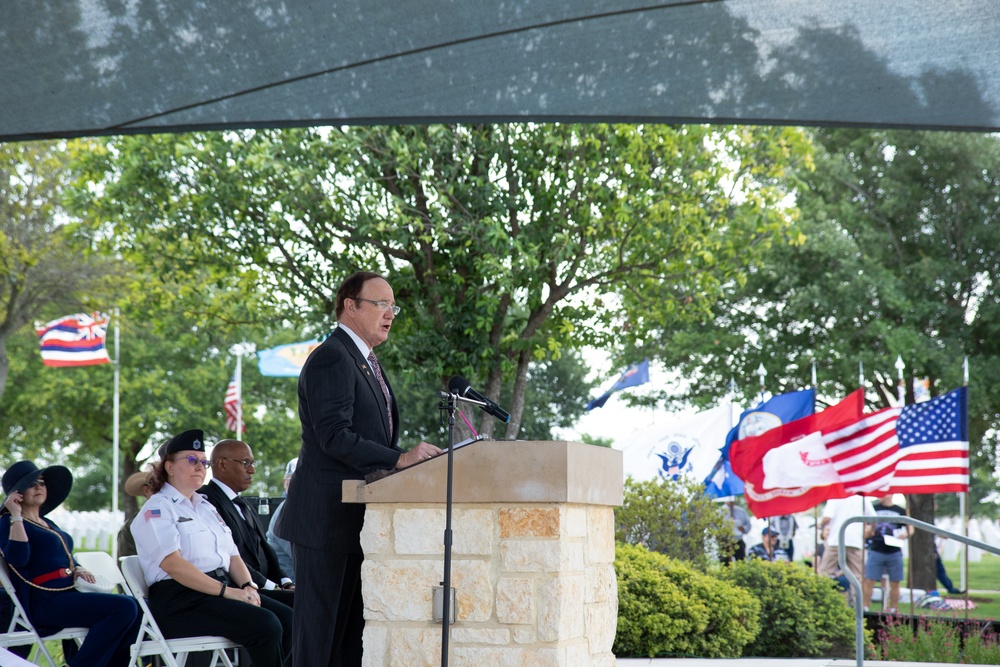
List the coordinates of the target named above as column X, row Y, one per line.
column 345, row 435
column 258, row 555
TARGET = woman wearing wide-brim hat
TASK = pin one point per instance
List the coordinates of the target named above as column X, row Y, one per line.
column 40, row 555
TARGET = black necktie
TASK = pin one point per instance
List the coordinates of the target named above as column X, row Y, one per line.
column 255, row 535
column 245, row 509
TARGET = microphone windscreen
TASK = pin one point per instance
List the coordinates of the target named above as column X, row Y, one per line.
column 458, row 385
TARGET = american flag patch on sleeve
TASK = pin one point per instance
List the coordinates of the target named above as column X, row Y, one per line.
column 151, row 514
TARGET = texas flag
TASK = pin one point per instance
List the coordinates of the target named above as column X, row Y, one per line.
column 75, row 340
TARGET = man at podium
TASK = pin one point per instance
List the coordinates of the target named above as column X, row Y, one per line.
column 350, row 427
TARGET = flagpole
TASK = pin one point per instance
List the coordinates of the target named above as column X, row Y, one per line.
column 239, row 394
column 762, row 372
column 963, row 501
column 901, row 399
column 815, row 507
column 114, row 455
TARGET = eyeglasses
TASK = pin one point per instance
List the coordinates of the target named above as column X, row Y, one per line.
column 39, row 482
column 381, row 305
column 194, row 460
column 246, row 463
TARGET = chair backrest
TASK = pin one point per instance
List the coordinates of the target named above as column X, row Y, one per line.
column 19, row 619
column 131, row 569
column 101, row 564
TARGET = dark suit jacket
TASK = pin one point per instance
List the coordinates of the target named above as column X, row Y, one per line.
column 345, row 435
column 254, row 549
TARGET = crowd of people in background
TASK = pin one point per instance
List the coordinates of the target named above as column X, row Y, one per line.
column 873, row 550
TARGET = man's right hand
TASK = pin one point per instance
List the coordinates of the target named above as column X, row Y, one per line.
column 421, row 452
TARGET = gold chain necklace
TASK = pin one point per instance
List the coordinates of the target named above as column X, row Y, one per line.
column 69, row 571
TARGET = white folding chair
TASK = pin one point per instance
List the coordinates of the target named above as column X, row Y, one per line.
column 101, row 564
column 151, row 641
column 21, row 632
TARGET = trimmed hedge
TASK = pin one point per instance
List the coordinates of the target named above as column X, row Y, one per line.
column 801, row 614
column 665, row 607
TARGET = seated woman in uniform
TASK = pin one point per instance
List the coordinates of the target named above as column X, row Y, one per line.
column 198, row 584
column 40, row 557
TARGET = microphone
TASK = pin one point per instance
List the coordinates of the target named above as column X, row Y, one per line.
column 459, row 385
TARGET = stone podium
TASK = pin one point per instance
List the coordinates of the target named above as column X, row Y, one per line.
column 532, row 557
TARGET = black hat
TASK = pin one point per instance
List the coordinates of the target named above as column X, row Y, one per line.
column 22, row 475
column 188, row 440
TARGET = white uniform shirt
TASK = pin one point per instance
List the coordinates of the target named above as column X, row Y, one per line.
column 839, row 510
column 169, row 522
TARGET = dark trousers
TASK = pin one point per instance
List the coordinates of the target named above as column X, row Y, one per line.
column 943, row 577
column 281, row 595
column 112, row 622
column 264, row 631
column 739, row 552
column 329, row 611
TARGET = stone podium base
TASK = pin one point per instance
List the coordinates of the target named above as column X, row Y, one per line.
column 535, row 585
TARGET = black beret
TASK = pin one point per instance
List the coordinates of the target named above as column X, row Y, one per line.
column 188, row 440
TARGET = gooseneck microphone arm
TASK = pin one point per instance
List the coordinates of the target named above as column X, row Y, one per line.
column 462, row 388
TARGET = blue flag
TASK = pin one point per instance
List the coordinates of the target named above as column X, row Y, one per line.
column 285, row 360
column 635, row 375
column 722, row 482
column 773, row 412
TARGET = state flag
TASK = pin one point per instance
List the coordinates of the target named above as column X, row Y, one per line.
column 74, row 340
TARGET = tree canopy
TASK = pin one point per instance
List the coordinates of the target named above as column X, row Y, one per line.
column 505, row 245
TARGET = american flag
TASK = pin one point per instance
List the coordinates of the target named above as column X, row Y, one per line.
column 233, row 406
column 75, row 340
column 920, row 448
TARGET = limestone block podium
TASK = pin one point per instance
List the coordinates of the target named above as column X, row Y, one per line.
column 532, row 558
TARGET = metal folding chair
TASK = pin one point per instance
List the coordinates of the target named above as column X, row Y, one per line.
column 151, row 641
column 21, row 632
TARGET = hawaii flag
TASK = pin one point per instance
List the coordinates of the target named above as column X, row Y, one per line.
column 920, row 448
column 75, row 340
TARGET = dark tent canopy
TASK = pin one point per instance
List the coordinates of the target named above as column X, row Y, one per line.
column 94, row 67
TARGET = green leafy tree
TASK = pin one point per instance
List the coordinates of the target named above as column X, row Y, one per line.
column 171, row 380
column 674, row 518
column 506, row 245
column 901, row 258
column 46, row 267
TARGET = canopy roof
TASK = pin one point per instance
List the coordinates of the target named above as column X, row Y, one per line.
column 96, row 67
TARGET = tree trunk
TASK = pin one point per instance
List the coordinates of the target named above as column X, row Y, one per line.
column 923, row 567
column 520, row 385
column 4, row 365
column 129, row 504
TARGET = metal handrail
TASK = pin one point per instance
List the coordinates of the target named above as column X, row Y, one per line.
column 859, row 650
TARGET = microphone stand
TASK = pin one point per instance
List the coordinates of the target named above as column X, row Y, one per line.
column 449, row 402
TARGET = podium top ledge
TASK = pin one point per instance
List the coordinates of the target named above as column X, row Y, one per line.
column 503, row 471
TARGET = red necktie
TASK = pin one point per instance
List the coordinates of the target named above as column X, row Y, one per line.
column 381, row 382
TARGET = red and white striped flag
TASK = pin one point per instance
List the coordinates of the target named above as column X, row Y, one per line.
column 919, row 448
column 75, row 340
column 233, row 405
